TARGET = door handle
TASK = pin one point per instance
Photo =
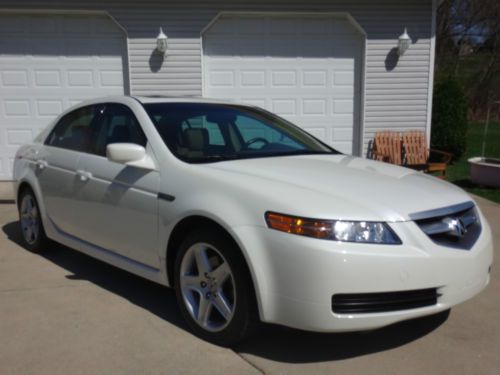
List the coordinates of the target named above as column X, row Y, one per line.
column 84, row 175
column 41, row 164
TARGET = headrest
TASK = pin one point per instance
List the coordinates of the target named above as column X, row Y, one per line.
column 196, row 139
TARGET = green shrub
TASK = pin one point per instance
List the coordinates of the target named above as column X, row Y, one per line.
column 449, row 117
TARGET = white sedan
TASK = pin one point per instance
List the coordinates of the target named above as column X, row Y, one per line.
column 249, row 217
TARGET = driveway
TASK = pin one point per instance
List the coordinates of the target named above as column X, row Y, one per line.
column 64, row 312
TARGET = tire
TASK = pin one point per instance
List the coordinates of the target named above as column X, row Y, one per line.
column 30, row 222
column 214, row 289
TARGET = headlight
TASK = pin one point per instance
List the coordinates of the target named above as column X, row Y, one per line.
column 336, row 230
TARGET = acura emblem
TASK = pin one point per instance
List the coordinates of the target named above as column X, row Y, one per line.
column 456, row 226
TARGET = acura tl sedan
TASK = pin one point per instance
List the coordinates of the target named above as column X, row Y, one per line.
column 249, row 217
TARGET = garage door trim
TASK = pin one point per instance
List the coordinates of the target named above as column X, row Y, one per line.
column 345, row 15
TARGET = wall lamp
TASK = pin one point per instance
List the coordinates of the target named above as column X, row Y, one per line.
column 404, row 41
column 161, row 42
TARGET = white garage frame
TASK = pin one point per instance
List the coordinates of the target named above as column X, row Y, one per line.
column 359, row 133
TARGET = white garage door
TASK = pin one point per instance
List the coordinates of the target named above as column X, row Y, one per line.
column 48, row 63
column 305, row 68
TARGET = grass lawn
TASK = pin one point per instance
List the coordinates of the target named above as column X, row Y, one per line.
column 458, row 172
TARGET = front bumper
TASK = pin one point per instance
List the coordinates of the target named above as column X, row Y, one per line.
column 296, row 277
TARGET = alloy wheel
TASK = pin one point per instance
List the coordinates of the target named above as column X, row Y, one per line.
column 30, row 221
column 207, row 287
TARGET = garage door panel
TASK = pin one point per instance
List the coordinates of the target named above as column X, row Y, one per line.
column 110, row 78
column 252, row 78
column 49, row 108
column 314, row 78
column 47, row 78
column 314, row 107
column 284, row 107
column 14, row 78
column 305, row 69
column 258, row 102
column 283, row 78
column 49, row 63
column 18, row 137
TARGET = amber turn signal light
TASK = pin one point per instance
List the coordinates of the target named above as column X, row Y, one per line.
column 300, row 226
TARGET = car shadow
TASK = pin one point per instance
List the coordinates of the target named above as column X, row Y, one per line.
column 269, row 341
column 293, row 346
column 144, row 293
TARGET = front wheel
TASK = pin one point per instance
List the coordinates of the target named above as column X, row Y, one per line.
column 33, row 234
column 213, row 288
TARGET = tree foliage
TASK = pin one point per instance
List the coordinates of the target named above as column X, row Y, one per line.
column 468, row 48
column 449, row 114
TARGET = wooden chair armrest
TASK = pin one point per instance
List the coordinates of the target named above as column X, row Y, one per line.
column 447, row 156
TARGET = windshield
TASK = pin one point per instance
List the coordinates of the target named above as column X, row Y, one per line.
column 205, row 132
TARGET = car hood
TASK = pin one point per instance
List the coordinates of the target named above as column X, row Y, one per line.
column 340, row 187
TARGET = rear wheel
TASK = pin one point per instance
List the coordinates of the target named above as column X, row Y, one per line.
column 213, row 288
column 33, row 234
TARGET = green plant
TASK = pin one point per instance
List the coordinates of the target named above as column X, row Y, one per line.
column 449, row 117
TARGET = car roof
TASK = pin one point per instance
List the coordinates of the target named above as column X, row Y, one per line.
column 180, row 99
column 126, row 99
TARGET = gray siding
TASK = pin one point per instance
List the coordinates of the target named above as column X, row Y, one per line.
column 395, row 94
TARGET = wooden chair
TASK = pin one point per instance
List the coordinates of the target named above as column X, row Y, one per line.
column 387, row 147
column 418, row 156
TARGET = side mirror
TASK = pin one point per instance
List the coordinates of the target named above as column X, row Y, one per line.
column 130, row 154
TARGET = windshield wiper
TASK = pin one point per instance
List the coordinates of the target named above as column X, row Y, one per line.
column 211, row 158
column 255, row 155
column 305, row 152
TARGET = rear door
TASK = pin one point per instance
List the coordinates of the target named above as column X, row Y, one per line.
column 118, row 204
column 56, row 165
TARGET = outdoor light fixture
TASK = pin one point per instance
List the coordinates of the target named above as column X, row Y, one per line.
column 403, row 43
column 161, row 42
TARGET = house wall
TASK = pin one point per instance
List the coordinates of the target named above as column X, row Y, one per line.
column 396, row 90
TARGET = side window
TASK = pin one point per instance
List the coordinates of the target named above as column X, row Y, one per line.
column 119, row 125
column 74, row 131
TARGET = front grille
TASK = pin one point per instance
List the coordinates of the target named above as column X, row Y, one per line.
column 383, row 302
column 456, row 226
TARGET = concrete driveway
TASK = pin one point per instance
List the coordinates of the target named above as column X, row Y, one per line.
column 66, row 313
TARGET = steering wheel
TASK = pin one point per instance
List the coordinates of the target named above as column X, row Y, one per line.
column 255, row 140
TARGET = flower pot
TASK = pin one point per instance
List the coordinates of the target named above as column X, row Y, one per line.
column 485, row 171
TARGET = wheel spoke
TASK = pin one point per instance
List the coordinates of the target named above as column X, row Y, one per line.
column 30, row 223
column 29, row 204
column 28, row 232
column 190, row 282
column 204, row 310
column 222, row 305
column 202, row 262
column 221, row 273
column 34, row 212
column 34, row 230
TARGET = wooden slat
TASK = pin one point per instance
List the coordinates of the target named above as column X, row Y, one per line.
column 387, row 147
column 415, row 147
